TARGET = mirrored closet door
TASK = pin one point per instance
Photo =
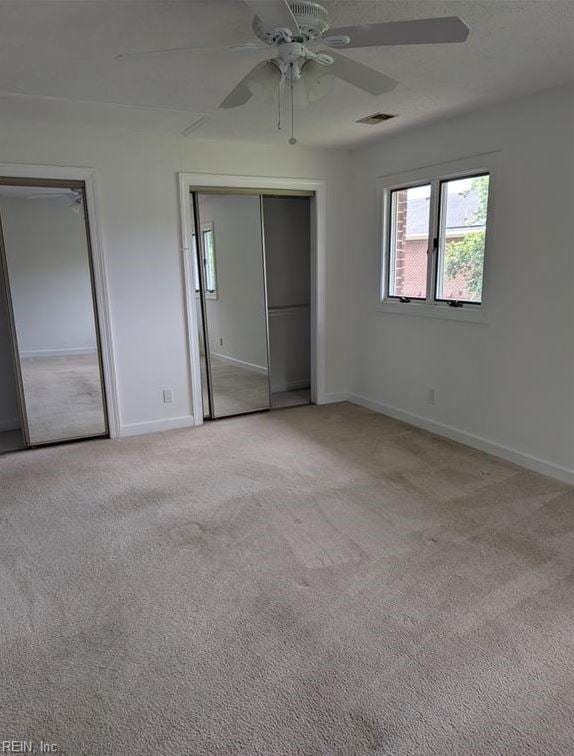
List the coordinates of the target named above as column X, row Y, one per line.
column 230, row 278
column 251, row 255
column 48, row 287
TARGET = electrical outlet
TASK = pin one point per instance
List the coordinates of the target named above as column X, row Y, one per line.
column 432, row 396
column 221, row 341
column 167, row 396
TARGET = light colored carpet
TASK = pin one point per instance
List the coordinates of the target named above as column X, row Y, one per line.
column 322, row 580
column 236, row 388
column 239, row 388
column 63, row 397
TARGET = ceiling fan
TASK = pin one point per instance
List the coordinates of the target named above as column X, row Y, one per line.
column 297, row 30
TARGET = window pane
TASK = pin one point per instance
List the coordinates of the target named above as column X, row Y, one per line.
column 194, row 263
column 462, row 239
column 209, row 249
column 409, row 242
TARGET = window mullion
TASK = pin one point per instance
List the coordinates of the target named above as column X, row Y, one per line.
column 390, row 257
column 433, row 237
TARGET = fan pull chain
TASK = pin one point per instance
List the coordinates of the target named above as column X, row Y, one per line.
column 292, row 140
column 279, row 126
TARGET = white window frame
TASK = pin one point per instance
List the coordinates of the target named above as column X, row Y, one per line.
column 206, row 226
column 435, row 175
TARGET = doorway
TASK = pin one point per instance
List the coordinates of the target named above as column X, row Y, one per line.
column 251, row 262
column 49, row 315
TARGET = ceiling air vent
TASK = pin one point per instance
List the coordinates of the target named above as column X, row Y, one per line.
column 376, row 118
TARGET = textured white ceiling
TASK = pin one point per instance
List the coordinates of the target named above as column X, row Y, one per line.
column 63, row 51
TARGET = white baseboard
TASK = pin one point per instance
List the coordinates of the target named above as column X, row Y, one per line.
column 234, row 361
column 469, row 439
column 155, row 426
column 58, row 352
column 10, row 424
column 334, row 397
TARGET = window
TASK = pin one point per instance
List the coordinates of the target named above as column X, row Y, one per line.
column 462, row 238
column 435, row 237
column 409, row 242
column 208, row 238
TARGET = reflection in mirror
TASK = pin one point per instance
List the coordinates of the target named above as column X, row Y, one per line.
column 199, row 304
column 50, row 288
column 11, row 437
column 235, row 306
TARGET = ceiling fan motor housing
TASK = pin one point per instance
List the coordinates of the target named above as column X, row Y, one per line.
column 311, row 18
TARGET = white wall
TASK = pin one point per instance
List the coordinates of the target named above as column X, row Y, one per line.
column 509, row 382
column 236, row 318
column 48, row 267
column 288, row 255
column 137, row 176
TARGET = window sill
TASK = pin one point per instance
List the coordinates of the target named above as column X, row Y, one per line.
column 466, row 314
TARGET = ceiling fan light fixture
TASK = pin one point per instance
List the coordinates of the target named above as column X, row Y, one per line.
column 314, row 83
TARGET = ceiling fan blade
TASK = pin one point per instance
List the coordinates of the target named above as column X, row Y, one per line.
column 425, row 31
column 266, row 81
column 257, row 76
column 274, row 14
column 359, row 75
column 242, row 47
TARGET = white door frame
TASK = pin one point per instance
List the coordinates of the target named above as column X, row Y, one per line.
column 188, row 181
column 89, row 177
